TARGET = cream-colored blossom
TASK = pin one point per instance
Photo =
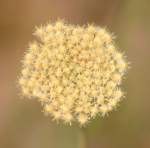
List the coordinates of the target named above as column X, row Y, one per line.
column 75, row 72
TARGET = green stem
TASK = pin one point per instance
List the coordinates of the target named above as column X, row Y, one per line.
column 82, row 138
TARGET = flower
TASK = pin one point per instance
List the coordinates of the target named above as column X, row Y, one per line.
column 74, row 71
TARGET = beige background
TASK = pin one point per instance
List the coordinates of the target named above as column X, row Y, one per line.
column 22, row 125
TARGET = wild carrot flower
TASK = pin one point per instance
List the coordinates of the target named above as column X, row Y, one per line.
column 75, row 72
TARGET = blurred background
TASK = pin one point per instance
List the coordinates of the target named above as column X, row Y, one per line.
column 22, row 124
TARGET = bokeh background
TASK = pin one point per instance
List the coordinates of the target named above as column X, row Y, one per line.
column 22, row 124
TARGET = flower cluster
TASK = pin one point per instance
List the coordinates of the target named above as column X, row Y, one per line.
column 75, row 72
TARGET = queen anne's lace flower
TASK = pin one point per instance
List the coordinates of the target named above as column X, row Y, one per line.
column 74, row 71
